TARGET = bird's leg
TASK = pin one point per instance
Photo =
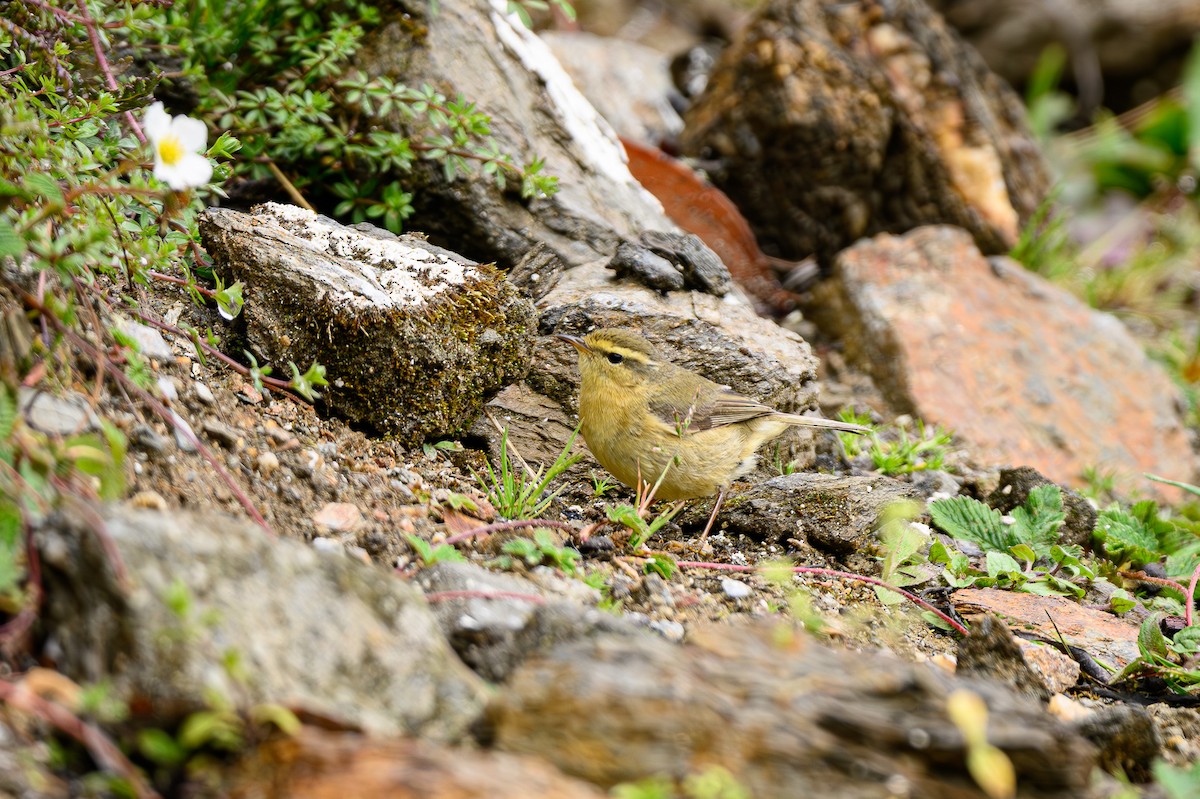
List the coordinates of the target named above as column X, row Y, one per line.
column 713, row 517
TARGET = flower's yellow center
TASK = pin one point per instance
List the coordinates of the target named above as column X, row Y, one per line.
column 170, row 150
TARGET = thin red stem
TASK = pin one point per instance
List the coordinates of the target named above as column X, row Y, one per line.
column 1191, row 596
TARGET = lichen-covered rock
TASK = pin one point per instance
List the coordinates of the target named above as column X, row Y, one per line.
column 415, row 338
column 833, row 121
column 211, row 604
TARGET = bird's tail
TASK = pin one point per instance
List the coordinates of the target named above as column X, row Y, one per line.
column 817, row 421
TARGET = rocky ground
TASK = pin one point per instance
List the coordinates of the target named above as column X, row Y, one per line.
column 296, row 599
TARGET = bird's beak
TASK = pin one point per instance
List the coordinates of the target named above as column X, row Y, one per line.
column 574, row 341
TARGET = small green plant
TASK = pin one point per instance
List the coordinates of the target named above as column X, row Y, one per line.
column 779, row 466
column 1020, row 551
column 852, row 443
column 902, row 544
column 517, row 495
column 643, row 530
column 432, row 450
column 601, row 485
column 429, row 554
column 539, row 549
column 1172, row 660
column 911, row 453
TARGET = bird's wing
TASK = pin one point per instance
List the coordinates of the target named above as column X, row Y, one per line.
column 706, row 407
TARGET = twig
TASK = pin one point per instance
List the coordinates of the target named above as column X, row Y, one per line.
column 443, row 596
column 88, row 21
column 501, row 526
column 684, row 564
column 103, row 750
column 289, row 187
column 1165, row 583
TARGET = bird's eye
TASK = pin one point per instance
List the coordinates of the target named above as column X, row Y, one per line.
column 615, row 357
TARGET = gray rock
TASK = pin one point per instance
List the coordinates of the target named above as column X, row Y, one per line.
column 149, row 342
column 65, row 415
column 836, row 514
column 736, row 589
column 445, row 333
column 494, row 635
column 796, row 719
column 476, row 50
column 644, row 266
column 322, row 634
column 628, row 83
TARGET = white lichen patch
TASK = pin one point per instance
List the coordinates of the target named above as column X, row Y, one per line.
column 588, row 130
column 385, row 272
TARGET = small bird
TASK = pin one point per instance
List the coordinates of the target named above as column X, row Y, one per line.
column 646, row 419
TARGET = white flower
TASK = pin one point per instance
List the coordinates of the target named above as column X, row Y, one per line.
column 178, row 144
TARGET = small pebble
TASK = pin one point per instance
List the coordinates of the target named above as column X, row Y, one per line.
column 328, row 545
column 338, row 516
column 673, row 631
column 735, row 589
column 267, row 463
column 203, row 393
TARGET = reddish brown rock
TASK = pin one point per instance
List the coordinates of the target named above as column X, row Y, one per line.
column 331, row 765
column 1020, row 370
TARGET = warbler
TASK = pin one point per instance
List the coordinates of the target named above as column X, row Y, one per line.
column 648, row 420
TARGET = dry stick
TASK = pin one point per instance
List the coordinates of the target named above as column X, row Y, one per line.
column 832, row 573
column 156, row 406
column 289, row 187
column 501, row 526
column 102, row 749
column 443, row 596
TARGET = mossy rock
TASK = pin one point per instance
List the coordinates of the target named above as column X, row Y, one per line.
column 415, row 338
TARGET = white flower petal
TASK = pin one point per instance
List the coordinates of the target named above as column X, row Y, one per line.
column 156, row 122
column 191, row 171
column 192, row 133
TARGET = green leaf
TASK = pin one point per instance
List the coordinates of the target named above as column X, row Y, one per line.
column 1000, row 563
column 971, row 520
column 1187, row 640
column 12, row 245
column 1177, row 782
column 1121, row 602
column 1129, row 536
column 1036, row 522
column 1151, row 642
column 160, row 748
column 1023, row 552
column 42, row 184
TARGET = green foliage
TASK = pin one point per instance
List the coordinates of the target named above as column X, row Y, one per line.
column 643, row 530
column 429, row 554
column 900, row 452
column 516, row 495
column 1020, row 552
column 541, row 549
column 1171, row 660
column 1136, row 536
column 714, row 782
column 1035, row 524
column 279, row 74
column 601, row 485
column 1177, row 782
column 902, row 545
